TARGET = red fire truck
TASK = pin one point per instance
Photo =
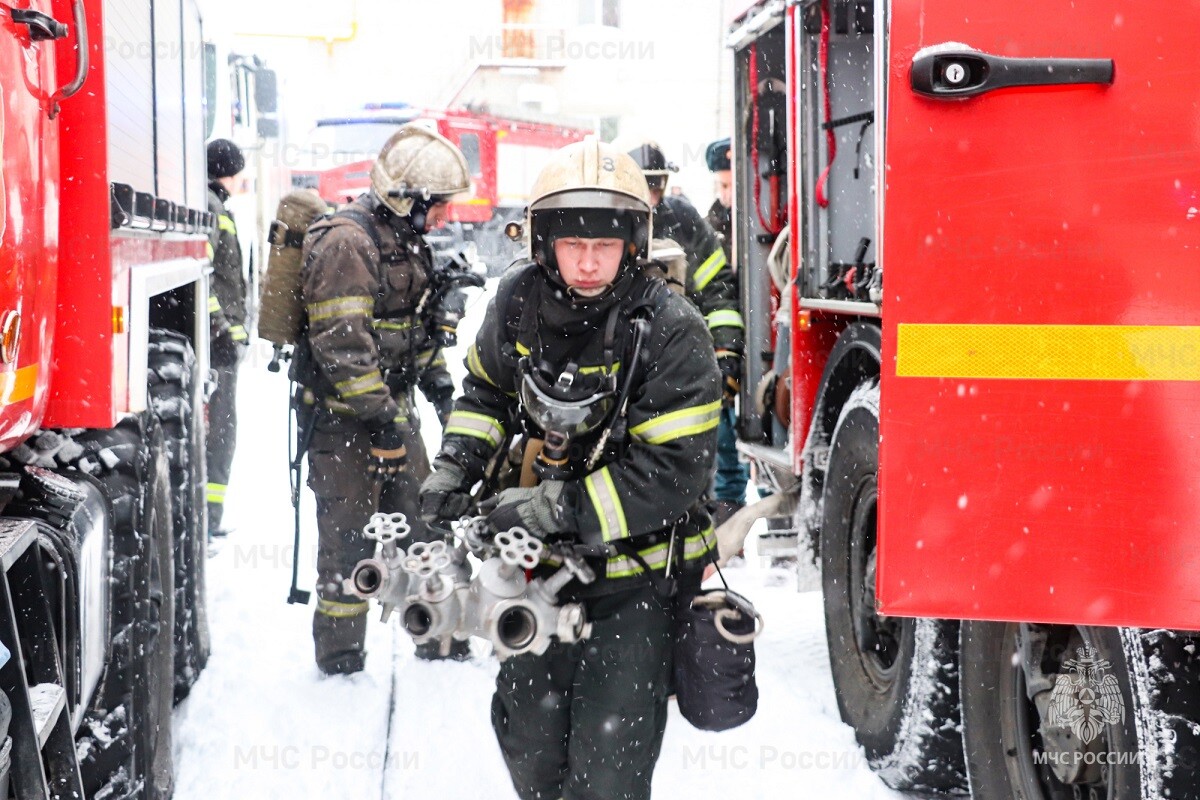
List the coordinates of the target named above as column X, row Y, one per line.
column 987, row 446
column 103, row 349
column 504, row 155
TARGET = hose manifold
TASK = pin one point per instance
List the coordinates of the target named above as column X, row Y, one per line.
column 438, row 599
column 382, row 577
column 519, row 615
column 440, row 577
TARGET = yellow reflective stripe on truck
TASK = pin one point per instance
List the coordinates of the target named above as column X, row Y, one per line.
column 18, row 385
column 1049, row 352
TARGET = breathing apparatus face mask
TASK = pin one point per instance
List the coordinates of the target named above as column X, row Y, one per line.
column 569, row 403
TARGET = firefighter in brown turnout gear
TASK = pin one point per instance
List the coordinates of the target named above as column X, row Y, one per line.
column 364, row 352
column 612, row 380
column 712, row 286
column 227, row 318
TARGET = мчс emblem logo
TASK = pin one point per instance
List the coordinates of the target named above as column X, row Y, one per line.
column 1086, row 698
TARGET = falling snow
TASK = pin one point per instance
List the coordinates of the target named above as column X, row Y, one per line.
column 262, row 723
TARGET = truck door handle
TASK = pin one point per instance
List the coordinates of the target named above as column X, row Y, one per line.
column 82, row 60
column 954, row 73
column 41, row 26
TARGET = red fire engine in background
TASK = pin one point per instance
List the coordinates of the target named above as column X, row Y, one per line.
column 504, row 155
column 989, row 447
column 103, row 352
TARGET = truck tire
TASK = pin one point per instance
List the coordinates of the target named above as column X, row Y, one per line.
column 160, row 626
column 171, row 391
column 1146, row 754
column 125, row 738
column 896, row 679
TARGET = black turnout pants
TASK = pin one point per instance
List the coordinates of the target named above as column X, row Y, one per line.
column 586, row 721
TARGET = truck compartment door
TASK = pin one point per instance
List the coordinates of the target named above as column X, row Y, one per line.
column 1041, row 388
column 28, row 213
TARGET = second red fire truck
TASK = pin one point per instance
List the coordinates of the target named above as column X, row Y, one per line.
column 504, row 155
column 973, row 371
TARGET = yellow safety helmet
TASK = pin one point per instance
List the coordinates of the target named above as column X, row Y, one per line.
column 594, row 189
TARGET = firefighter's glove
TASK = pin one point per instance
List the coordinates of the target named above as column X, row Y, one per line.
column 535, row 509
column 388, row 454
column 731, row 377
column 443, row 494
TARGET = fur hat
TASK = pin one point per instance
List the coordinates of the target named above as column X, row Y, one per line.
column 717, row 155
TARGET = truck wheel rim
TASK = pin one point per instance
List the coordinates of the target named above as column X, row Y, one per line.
column 1020, row 735
column 877, row 638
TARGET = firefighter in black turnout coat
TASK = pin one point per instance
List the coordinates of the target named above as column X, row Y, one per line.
column 364, row 351
column 587, row 720
column 732, row 475
column 710, row 284
column 227, row 321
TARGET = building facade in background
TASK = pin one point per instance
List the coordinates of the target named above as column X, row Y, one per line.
column 649, row 69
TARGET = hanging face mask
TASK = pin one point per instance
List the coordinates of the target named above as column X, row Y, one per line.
column 568, row 403
column 564, row 406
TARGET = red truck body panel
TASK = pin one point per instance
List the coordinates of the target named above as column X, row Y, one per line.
column 344, row 182
column 82, row 390
column 29, row 238
column 66, row 273
column 1041, row 378
column 479, row 206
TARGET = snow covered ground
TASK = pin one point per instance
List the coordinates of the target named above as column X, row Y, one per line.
column 262, row 722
